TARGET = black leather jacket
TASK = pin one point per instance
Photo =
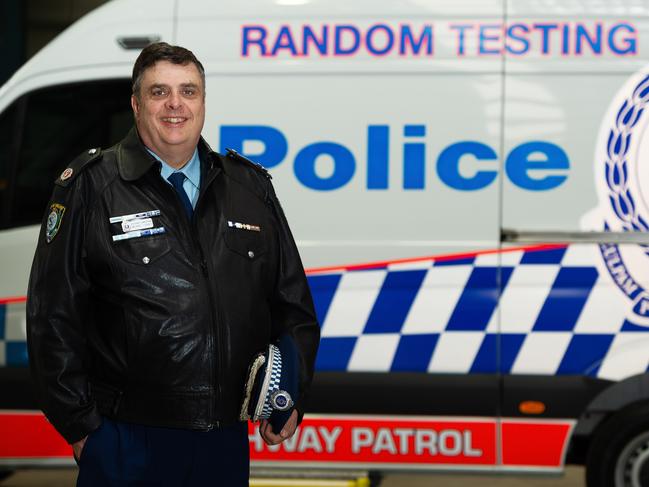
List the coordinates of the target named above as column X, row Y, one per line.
column 160, row 329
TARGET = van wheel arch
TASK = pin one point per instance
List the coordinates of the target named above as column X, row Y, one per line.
column 616, row 397
column 618, row 454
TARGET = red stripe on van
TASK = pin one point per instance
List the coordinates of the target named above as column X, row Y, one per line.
column 422, row 442
column 27, row 434
column 534, row 443
column 13, row 300
column 384, row 440
column 337, row 440
column 444, row 257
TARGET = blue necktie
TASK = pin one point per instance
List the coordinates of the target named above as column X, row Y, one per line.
column 177, row 179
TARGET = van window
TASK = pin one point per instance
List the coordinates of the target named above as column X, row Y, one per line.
column 7, row 150
column 58, row 123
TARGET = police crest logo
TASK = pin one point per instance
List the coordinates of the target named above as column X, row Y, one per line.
column 54, row 221
column 623, row 189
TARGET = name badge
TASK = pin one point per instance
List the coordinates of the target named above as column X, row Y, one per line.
column 139, row 224
column 134, row 216
column 138, row 234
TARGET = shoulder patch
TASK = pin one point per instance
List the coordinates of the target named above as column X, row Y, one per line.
column 54, row 218
column 77, row 165
column 258, row 167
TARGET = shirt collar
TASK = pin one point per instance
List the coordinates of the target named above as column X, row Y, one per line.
column 191, row 170
column 133, row 160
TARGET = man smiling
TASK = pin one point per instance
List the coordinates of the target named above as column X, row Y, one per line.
column 169, row 105
column 146, row 306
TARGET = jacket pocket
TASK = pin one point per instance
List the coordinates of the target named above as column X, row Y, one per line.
column 143, row 250
column 248, row 244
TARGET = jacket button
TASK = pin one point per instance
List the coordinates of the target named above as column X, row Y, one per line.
column 251, row 254
column 146, row 260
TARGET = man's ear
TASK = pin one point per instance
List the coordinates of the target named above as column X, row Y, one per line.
column 135, row 105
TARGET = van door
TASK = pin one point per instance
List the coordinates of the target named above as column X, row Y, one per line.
column 572, row 146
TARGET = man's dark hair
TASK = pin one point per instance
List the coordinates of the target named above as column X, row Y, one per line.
column 161, row 51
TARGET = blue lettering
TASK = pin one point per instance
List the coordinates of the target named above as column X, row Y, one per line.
column 519, row 38
column 448, row 166
column 565, row 44
column 547, row 158
column 275, row 145
column 628, row 43
column 378, row 152
column 320, row 44
column 370, row 39
column 414, row 158
column 408, row 38
column 343, row 160
column 414, row 130
column 284, row 41
column 520, row 162
column 248, row 39
column 461, row 28
column 545, row 35
column 483, row 37
column 339, row 50
column 595, row 42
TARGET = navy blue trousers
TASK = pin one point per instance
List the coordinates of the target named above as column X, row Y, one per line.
column 129, row 455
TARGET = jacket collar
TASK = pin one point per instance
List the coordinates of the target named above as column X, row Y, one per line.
column 134, row 161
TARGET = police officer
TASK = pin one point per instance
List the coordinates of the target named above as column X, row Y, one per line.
column 162, row 268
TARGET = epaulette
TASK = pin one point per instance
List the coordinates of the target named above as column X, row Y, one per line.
column 258, row 167
column 77, row 165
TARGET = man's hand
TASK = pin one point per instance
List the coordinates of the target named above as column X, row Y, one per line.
column 266, row 430
column 77, row 448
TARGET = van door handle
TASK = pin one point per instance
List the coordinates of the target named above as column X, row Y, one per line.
column 137, row 42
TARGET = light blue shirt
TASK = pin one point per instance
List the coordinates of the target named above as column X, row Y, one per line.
column 191, row 170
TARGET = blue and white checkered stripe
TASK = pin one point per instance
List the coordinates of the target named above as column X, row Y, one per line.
column 273, row 384
column 13, row 347
column 557, row 314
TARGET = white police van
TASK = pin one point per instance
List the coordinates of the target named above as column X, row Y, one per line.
column 464, row 180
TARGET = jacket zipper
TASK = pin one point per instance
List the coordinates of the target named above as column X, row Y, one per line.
column 215, row 329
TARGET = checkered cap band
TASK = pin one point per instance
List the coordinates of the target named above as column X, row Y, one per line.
column 273, row 385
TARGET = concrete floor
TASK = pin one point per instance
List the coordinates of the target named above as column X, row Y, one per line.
column 574, row 477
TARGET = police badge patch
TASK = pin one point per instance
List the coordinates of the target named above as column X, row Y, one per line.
column 54, row 221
